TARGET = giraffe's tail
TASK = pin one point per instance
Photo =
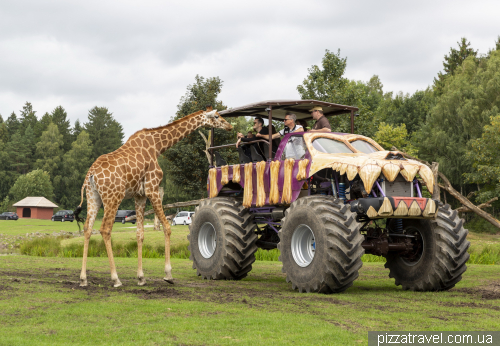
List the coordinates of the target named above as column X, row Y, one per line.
column 78, row 210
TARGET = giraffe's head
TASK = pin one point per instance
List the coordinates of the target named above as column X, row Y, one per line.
column 212, row 119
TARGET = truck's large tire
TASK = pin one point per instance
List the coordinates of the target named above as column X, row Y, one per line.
column 222, row 239
column 329, row 262
column 443, row 257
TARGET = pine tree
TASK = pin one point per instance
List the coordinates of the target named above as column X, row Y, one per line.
column 30, row 142
column 49, row 151
column 60, row 118
column 4, row 133
column 19, row 153
column 27, row 117
column 452, row 61
column 7, row 175
column 76, row 163
column 105, row 133
column 13, row 124
column 42, row 126
column 77, row 129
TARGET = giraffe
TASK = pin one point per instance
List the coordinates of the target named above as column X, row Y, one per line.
column 132, row 171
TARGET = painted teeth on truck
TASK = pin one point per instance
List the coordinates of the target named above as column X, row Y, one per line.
column 352, row 171
column 369, row 174
column 343, row 168
column 427, row 176
column 414, row 209
column 409, row 172
column 401, row 210
column 390, row 171
column 386, row 208
column 430, row 209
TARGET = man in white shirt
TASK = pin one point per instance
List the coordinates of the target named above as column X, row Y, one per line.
column 290, row 126
column 294, row 148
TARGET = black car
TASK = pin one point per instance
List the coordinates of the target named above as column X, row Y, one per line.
column 9, row 216
column 63, row 215
column 122, row 214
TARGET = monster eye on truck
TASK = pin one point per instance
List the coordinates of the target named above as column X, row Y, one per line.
column 363, row 146
column 325, row 199
column 330, row 146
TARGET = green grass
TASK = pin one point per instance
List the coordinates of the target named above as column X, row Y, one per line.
column 42, row 304
column 23, row 226
column 480, row 253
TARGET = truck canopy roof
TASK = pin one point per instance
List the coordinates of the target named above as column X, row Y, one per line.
column 280, row 107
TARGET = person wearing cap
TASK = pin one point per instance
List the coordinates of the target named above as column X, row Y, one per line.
column 321, row 124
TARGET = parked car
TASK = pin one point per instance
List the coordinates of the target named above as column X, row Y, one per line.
column 122, row 214
column 63, row 215
column 183, row 218
column 9, row 216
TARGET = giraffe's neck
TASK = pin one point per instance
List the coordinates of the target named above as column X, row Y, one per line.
column 166, row 136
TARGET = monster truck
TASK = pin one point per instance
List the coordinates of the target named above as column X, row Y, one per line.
column 324, row 199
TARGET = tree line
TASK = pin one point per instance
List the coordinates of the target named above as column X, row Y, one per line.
column 455, row 121
column 48, row 157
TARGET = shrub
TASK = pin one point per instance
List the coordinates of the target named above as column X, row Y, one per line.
column 45, row 247
column 479, row 225
column 51, row 247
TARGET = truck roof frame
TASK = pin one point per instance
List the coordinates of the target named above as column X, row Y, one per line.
column 278, row 109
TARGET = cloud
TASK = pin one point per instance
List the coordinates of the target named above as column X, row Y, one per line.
column 136, row 58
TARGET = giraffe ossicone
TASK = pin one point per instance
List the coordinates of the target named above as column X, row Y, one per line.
column 132, row 171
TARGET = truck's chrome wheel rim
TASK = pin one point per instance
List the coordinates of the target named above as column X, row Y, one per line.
column 303, row 245
column 206, row 240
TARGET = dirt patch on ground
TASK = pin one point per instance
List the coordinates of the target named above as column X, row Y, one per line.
column 348, row 325
column 471, row 305
column 157, row 293
column 489, row 292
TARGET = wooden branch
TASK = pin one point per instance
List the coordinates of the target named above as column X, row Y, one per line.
column 437, row 192
column 472, row 193
column 207, row 145
column 447, row 186
column 481, row 206
column 169, row 206
column 466, row 203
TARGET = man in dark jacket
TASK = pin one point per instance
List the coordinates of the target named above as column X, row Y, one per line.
column 258, row 126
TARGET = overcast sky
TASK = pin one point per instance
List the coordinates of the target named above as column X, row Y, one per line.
column 137, row 57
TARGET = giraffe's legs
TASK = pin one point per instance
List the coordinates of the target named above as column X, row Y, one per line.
column 154, row 197
column 93, row 204
column 110, row 209
column 140, row 204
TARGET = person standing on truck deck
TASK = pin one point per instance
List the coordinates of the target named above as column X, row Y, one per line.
column 321, row 124
column 295, row 146
column 259, row 128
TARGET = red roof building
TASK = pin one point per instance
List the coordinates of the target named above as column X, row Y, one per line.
column 35, row 208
